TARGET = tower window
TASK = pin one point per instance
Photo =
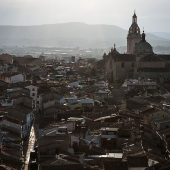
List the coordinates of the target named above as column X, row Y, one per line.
column 132, row 64
column 123, row 65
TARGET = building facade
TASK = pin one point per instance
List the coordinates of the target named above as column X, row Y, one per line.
column 133, row 37
column 139, row 60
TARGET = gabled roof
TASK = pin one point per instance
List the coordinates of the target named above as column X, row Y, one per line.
column 10, row 74
column 24, row 60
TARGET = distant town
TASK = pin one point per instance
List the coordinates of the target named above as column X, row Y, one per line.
column 86, row 108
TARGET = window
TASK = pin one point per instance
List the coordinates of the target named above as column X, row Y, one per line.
column 58, row 111
column 33, row 94
column 37, row 102
column 132, row 64
column 123, row 65
column 163, row 115
column 33, row 89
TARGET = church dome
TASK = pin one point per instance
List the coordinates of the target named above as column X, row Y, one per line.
column 143, row 46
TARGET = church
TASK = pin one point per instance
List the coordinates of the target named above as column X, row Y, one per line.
column 139, row 61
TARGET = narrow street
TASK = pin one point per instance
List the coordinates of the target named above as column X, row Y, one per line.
column 30, row 143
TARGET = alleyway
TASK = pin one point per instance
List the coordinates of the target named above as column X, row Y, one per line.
column 30, row 144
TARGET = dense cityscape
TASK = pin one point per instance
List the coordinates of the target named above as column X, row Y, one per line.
column 86, row 109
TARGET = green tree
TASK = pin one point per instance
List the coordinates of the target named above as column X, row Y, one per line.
column 88, row 70
column 92, row 71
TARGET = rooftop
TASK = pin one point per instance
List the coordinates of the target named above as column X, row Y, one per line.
column 108, row 129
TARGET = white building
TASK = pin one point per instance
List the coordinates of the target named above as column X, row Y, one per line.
column 12, row 77
column 74, row 84
column 33, row 94
column 87, row 102
column 133, row 84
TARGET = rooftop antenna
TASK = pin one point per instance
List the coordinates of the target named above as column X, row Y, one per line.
column 143, row 29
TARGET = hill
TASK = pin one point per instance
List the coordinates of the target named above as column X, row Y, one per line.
column 70, row 35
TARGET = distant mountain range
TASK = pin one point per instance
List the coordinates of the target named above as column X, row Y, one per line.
column 165, row 35
column 72, row 35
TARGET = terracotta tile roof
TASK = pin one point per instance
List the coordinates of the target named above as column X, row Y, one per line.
column 165, row 165
column 110, row 165
column 125, row 58
column 98, row 149
column 3, row 166
column 10, row 133
column 10, row 164
column 25, row 60
column 137, row 161
column 10, row 74
column 46, row 121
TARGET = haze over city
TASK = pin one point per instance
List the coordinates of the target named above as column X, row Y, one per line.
column 154, row 15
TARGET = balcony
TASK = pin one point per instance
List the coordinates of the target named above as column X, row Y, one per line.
column 6, row 102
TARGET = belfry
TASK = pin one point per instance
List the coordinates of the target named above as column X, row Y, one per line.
column 134, row 36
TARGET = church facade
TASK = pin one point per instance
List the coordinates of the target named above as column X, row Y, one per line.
column 139, row 61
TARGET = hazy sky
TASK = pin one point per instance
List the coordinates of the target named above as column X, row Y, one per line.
column 154, row 15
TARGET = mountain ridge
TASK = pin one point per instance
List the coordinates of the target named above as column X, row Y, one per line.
column 70, row 34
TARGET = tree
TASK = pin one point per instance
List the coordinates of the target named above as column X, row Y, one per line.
column 92, row 71
column 88, row 70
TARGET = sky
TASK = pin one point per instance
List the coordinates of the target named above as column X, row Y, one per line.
column 153, row 15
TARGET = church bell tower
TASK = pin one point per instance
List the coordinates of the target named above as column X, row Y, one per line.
column 134, row 36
